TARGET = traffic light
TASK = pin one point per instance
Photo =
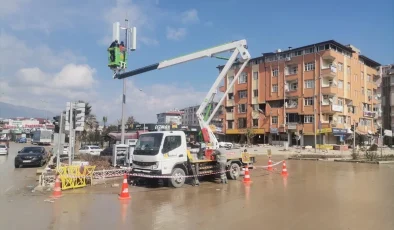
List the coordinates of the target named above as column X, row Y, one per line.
column 352, row 128
column 56, row 122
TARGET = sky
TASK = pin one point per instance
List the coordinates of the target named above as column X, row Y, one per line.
column 54, row 51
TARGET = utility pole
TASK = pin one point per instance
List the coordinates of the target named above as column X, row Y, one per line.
column 124, row 92
column 354, row 136
column 59, row 150
column 71, row 135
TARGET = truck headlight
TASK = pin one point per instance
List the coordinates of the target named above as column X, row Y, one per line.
column 155, row 166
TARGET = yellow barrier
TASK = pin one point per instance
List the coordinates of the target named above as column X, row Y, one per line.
column 75, row 176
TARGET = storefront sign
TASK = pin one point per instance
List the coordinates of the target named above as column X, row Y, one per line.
column 325, row 130
column 291, row 126
column 338, row 131
column 274, row 130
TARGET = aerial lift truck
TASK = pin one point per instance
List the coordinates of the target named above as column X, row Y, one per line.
column 164, row 153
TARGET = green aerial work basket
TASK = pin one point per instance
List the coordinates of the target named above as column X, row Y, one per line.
column 116, row 59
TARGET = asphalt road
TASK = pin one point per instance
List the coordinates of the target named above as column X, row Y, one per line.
column 14, row 180
column 315, row 195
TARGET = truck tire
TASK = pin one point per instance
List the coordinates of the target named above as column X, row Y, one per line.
column 234, row 172
column 178, row 179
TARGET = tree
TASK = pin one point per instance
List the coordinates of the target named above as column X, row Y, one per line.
column 105, row 119
column 249, row 133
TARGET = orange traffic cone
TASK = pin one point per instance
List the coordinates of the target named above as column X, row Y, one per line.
column 124, row 193
column 247, row 176
column 284, row 169
column 269, row 164
column 57, row 191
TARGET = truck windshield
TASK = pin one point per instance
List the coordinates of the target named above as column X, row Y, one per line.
column 148, row 144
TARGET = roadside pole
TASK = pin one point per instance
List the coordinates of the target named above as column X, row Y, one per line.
column 59, row 140
column 354, row 136
column 70, row 141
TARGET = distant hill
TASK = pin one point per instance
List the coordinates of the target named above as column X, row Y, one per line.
column 12, row 111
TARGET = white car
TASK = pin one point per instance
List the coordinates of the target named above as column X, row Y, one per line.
column 226, row 145
column 3, row 149
column 90, row 149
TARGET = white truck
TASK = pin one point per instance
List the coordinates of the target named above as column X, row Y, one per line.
column 165, row 152
column 42, row 137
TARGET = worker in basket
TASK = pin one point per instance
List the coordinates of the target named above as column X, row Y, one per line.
column 221, row 159
column 112, row 52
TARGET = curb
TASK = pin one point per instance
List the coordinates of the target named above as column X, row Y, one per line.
column 303, row 159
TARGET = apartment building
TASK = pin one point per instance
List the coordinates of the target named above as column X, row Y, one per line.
column 189, row 116
column 305, row 95
column 388, row 96
column 170, row 117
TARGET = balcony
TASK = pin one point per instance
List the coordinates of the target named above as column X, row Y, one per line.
column 330, row 71
column 332, row 108
column 230, row 116
column 369, row 114
column 255, row 114
column 330, row 90
column 230, row 103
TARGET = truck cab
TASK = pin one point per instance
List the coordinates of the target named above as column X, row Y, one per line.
column 158, row 153
column 164, row 154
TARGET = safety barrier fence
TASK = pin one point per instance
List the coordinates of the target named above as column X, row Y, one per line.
column 80, row 179
column 48, row 179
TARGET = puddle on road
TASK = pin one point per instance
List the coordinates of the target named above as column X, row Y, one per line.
column 315, row 195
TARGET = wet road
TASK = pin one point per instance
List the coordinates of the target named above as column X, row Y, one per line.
column 15, row 180
column 316, row 195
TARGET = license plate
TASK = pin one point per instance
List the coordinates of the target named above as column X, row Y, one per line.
column 27, row 161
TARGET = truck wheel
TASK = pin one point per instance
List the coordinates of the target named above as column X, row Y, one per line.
column 178, row 179
column 234, row 172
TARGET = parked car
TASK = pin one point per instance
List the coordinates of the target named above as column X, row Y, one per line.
column 37, row 156
column 3, row 149
column 107, row 151
column 22, row 140
column 90, row 149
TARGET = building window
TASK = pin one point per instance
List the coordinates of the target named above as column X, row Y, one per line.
column 309, row 66
column 274, row 119
column 308, row 119
column 348, row 86
column 275, row 88
column 275, row 72
column 340, row 66
column 241, row 123
column 341, row 119
column 293, row 86
column 255, row 123
column 231, row 96
column 255, row 93
column 242, row 108
column 255, row 107
column 243, row 94
column 309, row 84
column 255, row 75
column 308, row 101
column 340, row 102
column 340, row 84
column 292, row 70
column 348, row 71
column 230, row 124
column 243, row 78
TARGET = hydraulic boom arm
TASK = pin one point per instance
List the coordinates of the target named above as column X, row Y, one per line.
column 239, row 48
